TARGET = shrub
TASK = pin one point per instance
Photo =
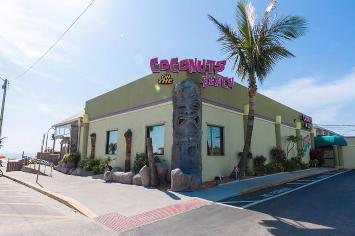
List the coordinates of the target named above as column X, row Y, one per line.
column 259, row 165
column 142, row 160
column 295, row 163
column 274, row 167
column 314, row 163
column 71, row 157
column 96, row 166
column 278, row 155
column 291, row 165
column 316, row 154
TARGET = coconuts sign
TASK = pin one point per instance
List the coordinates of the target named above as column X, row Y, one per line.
column 210, row 69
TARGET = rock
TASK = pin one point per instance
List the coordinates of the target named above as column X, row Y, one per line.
column 69, row 165
column 114, row 169
column 108, row 177
column 137, row 180
column 65, row 170
column 182, row 182
column 83, row 172
column 71, row 171
column 162, row 169
column 123, row 177
column 168, row 176
column 145, row 176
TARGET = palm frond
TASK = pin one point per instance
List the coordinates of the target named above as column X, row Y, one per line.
column 232, row 45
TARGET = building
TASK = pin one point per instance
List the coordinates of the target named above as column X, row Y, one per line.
column 145, row 107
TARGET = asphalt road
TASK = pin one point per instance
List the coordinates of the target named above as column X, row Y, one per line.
column 24, row 211
column 324, row 208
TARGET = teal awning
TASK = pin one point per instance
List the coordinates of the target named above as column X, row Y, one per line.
column 321, row 141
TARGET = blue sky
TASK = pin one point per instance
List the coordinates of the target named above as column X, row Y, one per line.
column 113, row 42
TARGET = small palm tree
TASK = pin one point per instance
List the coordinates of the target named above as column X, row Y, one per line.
column 254, row 48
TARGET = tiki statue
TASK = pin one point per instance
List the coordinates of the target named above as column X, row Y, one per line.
column 187, row 120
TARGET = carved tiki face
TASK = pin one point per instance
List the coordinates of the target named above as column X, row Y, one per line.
column 187, row 119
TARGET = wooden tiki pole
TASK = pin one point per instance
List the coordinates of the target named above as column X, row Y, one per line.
column 128, row 137
column 152, row 167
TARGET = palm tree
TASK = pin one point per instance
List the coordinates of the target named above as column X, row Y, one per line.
column 254, row 48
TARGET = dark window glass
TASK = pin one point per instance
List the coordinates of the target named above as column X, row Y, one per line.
column 215, row 142
column 111, row 142
column 156, row 133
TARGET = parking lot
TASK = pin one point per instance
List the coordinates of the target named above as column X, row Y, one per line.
column 320, row 205
column 249, row 200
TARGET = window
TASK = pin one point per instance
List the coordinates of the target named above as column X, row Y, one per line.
column 215, row 142
column 156, row 133
column 111, row 142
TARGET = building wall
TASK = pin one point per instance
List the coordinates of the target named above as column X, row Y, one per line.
column 232, row 122
column 349, row 153
column 137, row 121
column 264, row 138
column 285, row 132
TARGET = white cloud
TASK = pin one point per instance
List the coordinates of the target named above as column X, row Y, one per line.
column 322, row 99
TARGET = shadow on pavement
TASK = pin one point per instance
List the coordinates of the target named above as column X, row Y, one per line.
column 326, row 208
column 170, row 194
column 281, row 226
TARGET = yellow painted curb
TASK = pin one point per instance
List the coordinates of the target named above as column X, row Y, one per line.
column 70, row 202
column 273, row 184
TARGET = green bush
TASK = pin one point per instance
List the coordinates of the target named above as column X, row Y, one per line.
column 291, row 165
column 71, row 157
column 316, row 154
column 295, row 163
column 278, row 155
column 142, row 160
column 259, row 165
column 314, row 163
column 274, row 167
column 96, row 166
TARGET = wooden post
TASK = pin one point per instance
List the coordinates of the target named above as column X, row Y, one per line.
column 128, row 137
column 152, row 167
column 93, row 145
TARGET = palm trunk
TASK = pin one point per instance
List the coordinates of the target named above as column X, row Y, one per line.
column 250, row 124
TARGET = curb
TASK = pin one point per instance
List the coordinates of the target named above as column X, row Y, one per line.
column 276, row 183
column 70, row 202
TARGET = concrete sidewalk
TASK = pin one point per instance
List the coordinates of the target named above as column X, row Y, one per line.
column 93, row 197
column 235, row 188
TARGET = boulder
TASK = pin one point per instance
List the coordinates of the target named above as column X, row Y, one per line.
column 82, row 172
column 168, row 176
column 145, row 176
column 71, row 170
column 137, row 180
column 108, row 177
column 114, row 169
column 182, row 182
column 69, row 165
column 122, row 177
column 65, row 170
column 162, row 169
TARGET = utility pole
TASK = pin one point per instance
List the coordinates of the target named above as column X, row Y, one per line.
column 4, row 87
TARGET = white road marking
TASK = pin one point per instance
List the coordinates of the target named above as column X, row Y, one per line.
column 235, row 202
column 305, row 180
column 290, row 191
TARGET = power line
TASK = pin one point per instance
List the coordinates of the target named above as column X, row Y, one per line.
column 55, row 43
